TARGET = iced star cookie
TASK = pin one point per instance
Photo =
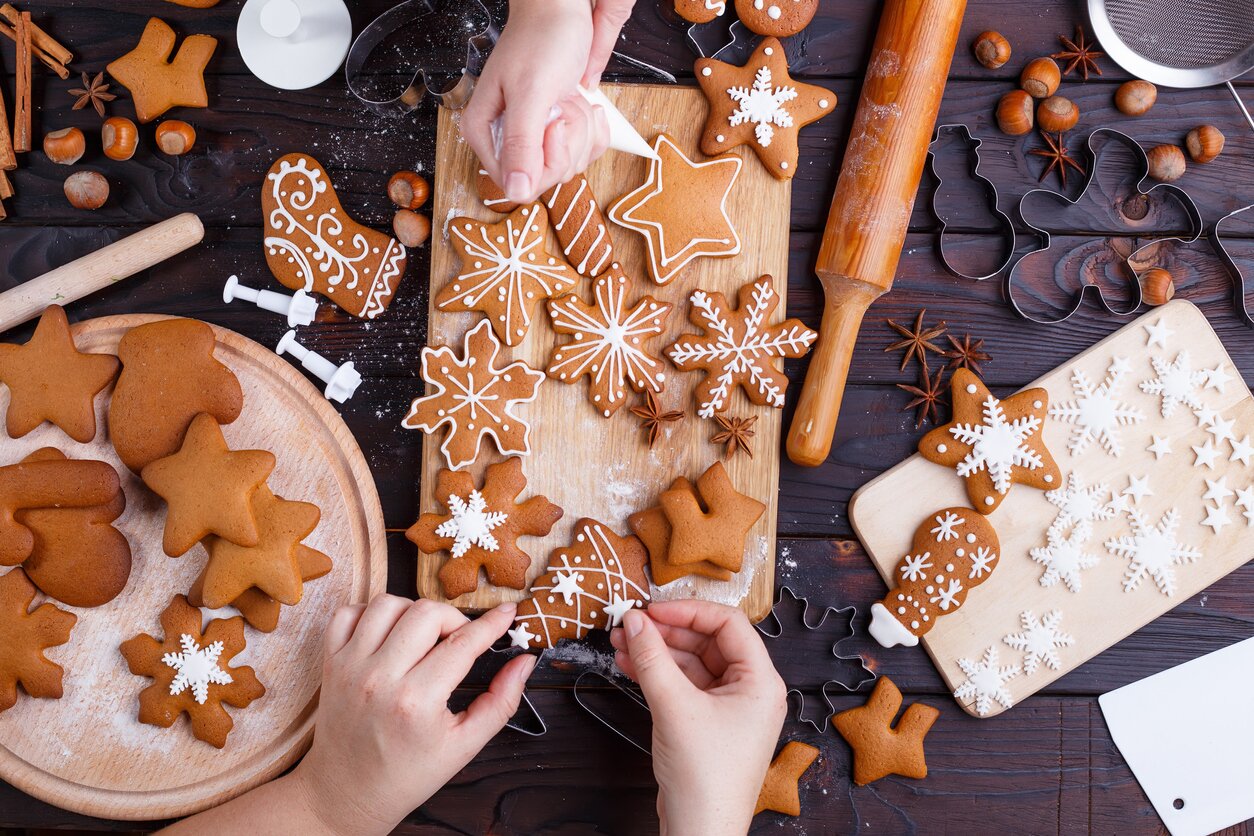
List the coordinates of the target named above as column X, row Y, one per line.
column 760, row 105
column 776, row 18
column 24, row 636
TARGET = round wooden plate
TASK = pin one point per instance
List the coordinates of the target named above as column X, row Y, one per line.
column 87, row 752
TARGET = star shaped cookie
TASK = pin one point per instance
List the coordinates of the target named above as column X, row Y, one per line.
column 654, row 530
column 24, row 636
column 760, row 105
column 779, row 789
column 271, row 566
column 711, row 523
column 879, row 749
column 51, row 380
column 259, row 609
column 681, row 209
column 157, row 82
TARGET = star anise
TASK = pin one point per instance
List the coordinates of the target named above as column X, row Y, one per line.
column 735, row 434
column 918, row 340
column 1058, row 155
column 968, row 354
column 652, row 417
column 1079, row 54
column 94, row 92
column 929, row 395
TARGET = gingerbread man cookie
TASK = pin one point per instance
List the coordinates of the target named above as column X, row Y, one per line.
column 49, row 379
column 711, row 523
column 776, row 18
column 760, row 105
column 24, row 636
column 190, row 672
column 259, row 609
column 879, row 749
column 44, row 482
column 169, row 376
column 654, row 530
column 159, row 83
column 312, row 245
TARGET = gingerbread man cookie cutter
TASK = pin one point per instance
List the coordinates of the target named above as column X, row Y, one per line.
column 1005, row 225
column 1230, row 264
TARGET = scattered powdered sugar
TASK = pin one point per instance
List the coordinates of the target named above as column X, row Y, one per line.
column 582, row 656
column 730, row 592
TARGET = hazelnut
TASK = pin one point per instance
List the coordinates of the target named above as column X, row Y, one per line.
column 120, row 138
column 411, row 229
column 1057, row 114
column 1040, row 78
column 1135, row 98
column 1014, row 113
column 991, row 49
column 1166, row 163
column 65, row 146
column 175, row 137
column 408, row 189
column 86, row 189
column 1157, row 286
column 1205, row 142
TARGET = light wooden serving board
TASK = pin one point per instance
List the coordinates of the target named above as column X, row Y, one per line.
column 602, row 468
column 87, row 752
column 886, row 511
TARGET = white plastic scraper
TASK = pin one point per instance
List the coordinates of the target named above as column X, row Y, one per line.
column 1188, row 735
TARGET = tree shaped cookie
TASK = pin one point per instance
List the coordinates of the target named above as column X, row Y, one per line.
column 157, row 82
column 681, row 209
column 482, row 527
column 208, row 488
column 51, row 380
column 48, row 483
column 474, row 398
column 505, row 270
column 779, row 789
column 739, row 347
column 190, row 672
column 169, row 376
column 654, row 530
column 759, row 105
column 993, row 444
column 588, row 585
column 710, row 523
column 259, row 609
column 608, row 345
column 879, row 749
column 24, row 636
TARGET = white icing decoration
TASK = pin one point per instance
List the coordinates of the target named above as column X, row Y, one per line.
column 520, row 636
column 1221, row 429
column 196, row 668
column 971, row 389
column 762, row 105
column 1217, row 490
column 887, row 630
column 1138, row 488
column 914, row 567
column 774, row 13
column 945, row 527
column 617, row 608
column 1217, row 378
column 1096, row 411
column 998, row 446
column 1153, row 550
column 986, row 681
column 946, row 597
column 1241, row 450
column 1216, row 517
column 471, row 524
column 1157, row 333
column 706, row 71
column 1077, row 503
column 1205, row 454
column 1176, row 382
column 1064, row 557
column 1205, row 416
column 1040, row 640
column 568, row 586
column 600, row 245
column 982, row 562
column 1161, row 447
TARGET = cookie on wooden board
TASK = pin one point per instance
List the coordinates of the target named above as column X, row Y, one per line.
column 24, row 636
column 46, row 482
column 712, row 523
column 654, row 530
column 158, row 82
column 256, row 607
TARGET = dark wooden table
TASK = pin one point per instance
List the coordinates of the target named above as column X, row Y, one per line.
column 1047, row 765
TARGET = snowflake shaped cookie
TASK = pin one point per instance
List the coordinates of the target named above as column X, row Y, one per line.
column 505, row 270
column 1152, row 550
column 608, row 344
column 474, row 398
column 1064, row 557
column 986, row 682
column 1096, row 411
column 1176, row 383
column 1040, row 640
column 738, row 347
column 25, row 634
column 196, row 668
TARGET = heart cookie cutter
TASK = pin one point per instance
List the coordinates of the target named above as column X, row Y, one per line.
column 1230, row 264
column 1007, row 228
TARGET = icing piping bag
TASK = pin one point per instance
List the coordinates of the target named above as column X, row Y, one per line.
column 623, row 136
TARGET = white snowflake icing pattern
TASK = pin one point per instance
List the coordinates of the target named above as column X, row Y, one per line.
column 1153, row 550
column 1040, row 640
column 1176, row 383
column 1064, row 557
column 762, row 105
column 471, row 524
column 986, row 681
column 1096, row 411
column 915, row 566
column 998, row 445
column 981, row 562
column 946, row 527
column 1078, row 503
column 196, row 668
column 946, row 596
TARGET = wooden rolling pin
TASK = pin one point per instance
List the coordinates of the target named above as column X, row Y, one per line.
column 100, row 269
column 866, row 225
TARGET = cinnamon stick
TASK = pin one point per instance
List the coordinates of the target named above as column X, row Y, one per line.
column 22, row 105
column 8, row 161
column 39, row 37
column 6, row 187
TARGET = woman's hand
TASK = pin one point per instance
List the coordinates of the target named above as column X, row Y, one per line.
column 718, row 706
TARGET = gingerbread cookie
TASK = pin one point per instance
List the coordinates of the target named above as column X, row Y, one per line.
column 48, row 483
column 159, row 83
column 699, row 11
column 879, row 749
column 78, row 556
column 482, row 527
column 711, row 523
column 681, row 210
column 169, row 376
column 492, row 195
column 312, row 245
column 760, row 105
column 588, row 585
column 739, row 348
column 779, row 789
column 208, row 488
column 259, row 609
column 505, row 270
column 51, row 380
column 776, row 18
column 992, row 444
column 608, row 343
column 654, row 530
column 190, row 672
column 953, row 551
column 24, row 636
column 474, row 398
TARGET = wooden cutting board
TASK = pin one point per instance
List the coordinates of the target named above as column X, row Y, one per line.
column 602, row 468
column 87, row 752
column 886, row 511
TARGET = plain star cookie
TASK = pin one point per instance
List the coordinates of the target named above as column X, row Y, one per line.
column 711, row 523
column 879, row 748
column 779, row 788
column 654, row 530
column 760, row 105
column 474, row 398
column 49, row 379
column 259, row 609
column 24, row 636
column 158, row 82
column 609, row 342
column 739, row 348
column 681, row 209
column 482, row 527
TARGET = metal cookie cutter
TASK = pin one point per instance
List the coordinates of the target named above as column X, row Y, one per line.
column 973, row 144
column 540, row 726
column 1095, row 143
column 1238, row 278
column 630, row 697
column 803, row 605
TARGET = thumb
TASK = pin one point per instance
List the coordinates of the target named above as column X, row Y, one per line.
column 521, row 155
column 608, row 18
column 492, row 709
column 656, row 672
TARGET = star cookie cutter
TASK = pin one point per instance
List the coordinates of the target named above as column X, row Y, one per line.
column 1095, row 143
column 1006, row 226
column 796, row 601
column 630, row 697
column 1230, row 264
